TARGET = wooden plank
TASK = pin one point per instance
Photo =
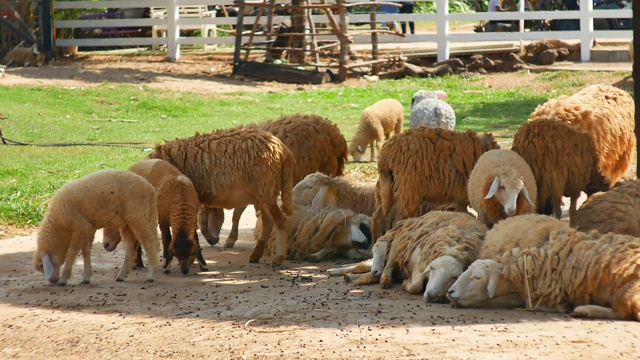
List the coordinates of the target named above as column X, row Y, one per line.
column 272, row 72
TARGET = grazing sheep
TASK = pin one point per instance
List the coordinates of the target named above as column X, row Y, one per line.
column 317, row 145
column 501, row 184
column 429, row 109
column 24, row 56
column 106, row 198
column 177, row 208
column 594, row 275
column 617, row 210
column 377, row 121
column 426, row 165
column 602, row 118
column 236, row 167
column 329, row 233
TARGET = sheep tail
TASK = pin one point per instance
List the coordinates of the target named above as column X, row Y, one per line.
column 286, row 186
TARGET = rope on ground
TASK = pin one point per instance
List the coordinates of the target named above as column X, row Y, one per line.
column 132, row 145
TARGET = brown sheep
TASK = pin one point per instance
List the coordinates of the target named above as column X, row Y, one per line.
column 236, row 167
column 605, row 114
column 377, row 121
column 177, row 208
column 317, row 145
column 426, row 165
column 24, row 56
column 617, row 210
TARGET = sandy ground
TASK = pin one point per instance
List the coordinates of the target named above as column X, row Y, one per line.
column 241, row 310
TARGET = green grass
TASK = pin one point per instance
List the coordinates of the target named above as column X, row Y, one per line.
column 29, row 175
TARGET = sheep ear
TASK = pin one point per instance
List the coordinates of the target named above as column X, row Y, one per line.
column 493, row 189
column 358, row 239
column 441, row 95
column 47, row 266
column 525, row 192
column 493, row 283
column 318, row 201
column 425, row 274
column 360, row 148
column 366, row 230
column 34, row 49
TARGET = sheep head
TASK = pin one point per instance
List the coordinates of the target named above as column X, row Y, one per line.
column 49, row 264
column 477, row 285
column 506, row 190
column 360, row 231
column 315, row 190
column 110, row 238
column 442, row 273
column 379, row 256
column 356, row 151
column 184, row 247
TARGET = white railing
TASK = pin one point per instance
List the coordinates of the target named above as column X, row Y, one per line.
column 442, row 37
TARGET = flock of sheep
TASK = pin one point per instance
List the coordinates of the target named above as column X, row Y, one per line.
column 413, row 227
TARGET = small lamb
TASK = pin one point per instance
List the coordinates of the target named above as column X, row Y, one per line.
column 429, row 109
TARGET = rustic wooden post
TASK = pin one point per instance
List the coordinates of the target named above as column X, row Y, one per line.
column 298, row 26
column 344, row 42
column 239, row 26
column 374, row 37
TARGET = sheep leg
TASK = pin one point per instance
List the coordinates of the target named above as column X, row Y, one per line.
column 129, row 243
column 201, row 261
column 361, row 279
column 86, row 257
column 357, row 268
column 267, row 226
column 318, row 256
column 146, row 233
column 595, row 312
column 572, row 206
column 359, row 254
column 376, row 224
column 415, row 283
column 281, row 234
column 72, row 253
column 210, row 222
column 371, row 158
column 165, row 232
column 235, row 221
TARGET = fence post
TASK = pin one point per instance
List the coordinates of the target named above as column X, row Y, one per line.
column 442, row 28
column 173, row 30
column 586, row 29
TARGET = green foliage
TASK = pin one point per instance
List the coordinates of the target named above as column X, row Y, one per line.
column 455, row 7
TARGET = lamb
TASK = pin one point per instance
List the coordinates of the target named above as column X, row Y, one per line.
column 235, row 167
column 613, row 211
column 602, row 118
column 106, row 198
column 24, row 56
column 177, row 209
column 501, row 184
column 329, row 233
column 594, row 275
column 429, row 109
column 377, row 120
column 319, row 190
column 317, row 145
column 437, row 171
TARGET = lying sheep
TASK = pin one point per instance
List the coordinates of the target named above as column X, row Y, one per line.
column 24, row 56
column 106, row 198
column 377, row 121
column 317, row 145
column 329, row 233
column 319, row 190
column 436, row 172
column 177, row 208
column 592, row 274
column 429, row 109
column 602, row 117
column 233, row 168
column 617, row 210
column 501, row 184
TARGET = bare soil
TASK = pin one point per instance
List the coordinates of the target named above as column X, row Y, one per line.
column 241, row 310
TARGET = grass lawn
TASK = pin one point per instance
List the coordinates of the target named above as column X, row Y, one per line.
column 123, row 122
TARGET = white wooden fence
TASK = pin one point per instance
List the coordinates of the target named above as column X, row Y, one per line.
column 443, row 37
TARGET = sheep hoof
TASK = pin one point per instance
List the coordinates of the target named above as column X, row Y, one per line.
column 213, row 240
column 277, row 261
column 150, row 280
column 204, row 268
column 119, row 279
column 229, row 244
column 84, row 282
column 385, row 281
column 167, row 270
column 346, row 278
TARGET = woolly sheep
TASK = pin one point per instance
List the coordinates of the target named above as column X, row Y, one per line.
column 106, row 198
column 236, row 167
column 177, row 208
column 592, row 274
column 377, row 121
column 329, row 233
column 602, row 117
column 501, row 184
column 429, row 109
column 617, row 210
column 317, row 145
column 437, row 171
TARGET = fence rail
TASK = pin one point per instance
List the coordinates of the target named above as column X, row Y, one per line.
column 68, row 14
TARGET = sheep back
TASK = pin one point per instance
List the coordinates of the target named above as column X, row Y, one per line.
column 617, row 210
column 236, row 158
column 178, row 204
column 509, row 168
column 316, row 143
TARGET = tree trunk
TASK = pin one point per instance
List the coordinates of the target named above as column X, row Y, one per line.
column 298, row 25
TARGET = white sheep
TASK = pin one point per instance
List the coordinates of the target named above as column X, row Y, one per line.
column 377, row 121
column 429, row 109
column 592, row 275
column 501, row 184
column 106, row 198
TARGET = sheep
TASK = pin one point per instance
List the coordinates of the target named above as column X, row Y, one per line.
column 317, row 145
column 177, row 208
column 329, row 233
column 429, row 109
column 106, row 198
column 592, row 274
column 501, row 184
column 236, row 167
column 377, row 121
column 426, row 165
column 613, row 211
column 24, row 56
column 602, row 118
column 319, row 190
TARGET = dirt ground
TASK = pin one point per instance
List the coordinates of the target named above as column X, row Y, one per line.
column 241, row 310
